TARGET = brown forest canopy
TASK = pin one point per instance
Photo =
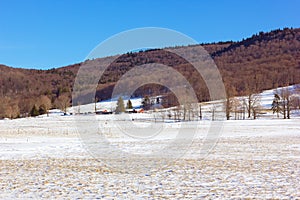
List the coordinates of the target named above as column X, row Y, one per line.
column 263, row 61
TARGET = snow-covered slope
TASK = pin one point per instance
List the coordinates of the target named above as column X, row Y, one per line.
column 266, row 98
column 108, row 105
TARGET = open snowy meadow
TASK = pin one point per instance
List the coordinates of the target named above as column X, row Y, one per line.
column 46, row 157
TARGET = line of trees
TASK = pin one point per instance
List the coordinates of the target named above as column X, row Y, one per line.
column 286, row 100
column 10, row 108
column 247, row 107
column 237, row 108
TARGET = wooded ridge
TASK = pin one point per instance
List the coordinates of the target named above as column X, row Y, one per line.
column 263, row 61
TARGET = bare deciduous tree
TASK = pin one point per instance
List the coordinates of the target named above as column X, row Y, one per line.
column 295, row 98
column 8, row 112
column 45, row 102
column 212, row 110
column 231, row 92
column 295, row 102
column 177, row 113
column 252, row 104
column 63, row 102
column 9, row 109
column 25, row 106
column 200, row 111
column 236, row 107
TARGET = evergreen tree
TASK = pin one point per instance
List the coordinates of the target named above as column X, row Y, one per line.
column 157, row 100
column 42, row 110
column 120, row 106
column 276, row 104
column 146, row 103
column 129, row 104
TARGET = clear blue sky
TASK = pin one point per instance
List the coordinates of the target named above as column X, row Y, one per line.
column 45, row 34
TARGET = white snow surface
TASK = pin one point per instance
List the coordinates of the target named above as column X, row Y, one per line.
column 57, row 136
column 44, row 157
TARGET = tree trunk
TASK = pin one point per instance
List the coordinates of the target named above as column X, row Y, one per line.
column 184, row 112
column 249, row 106
column 284, row 110
column 288, row 107
column 200, row 112
column 254, row 114
column 227, row 108
column 213, row 114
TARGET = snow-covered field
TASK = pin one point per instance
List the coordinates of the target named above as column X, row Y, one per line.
column 46, row 157
column 148, row 156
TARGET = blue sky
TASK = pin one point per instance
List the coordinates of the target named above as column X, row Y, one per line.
column 45, row 34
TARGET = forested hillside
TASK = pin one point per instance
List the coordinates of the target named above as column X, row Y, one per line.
column 263, row 61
